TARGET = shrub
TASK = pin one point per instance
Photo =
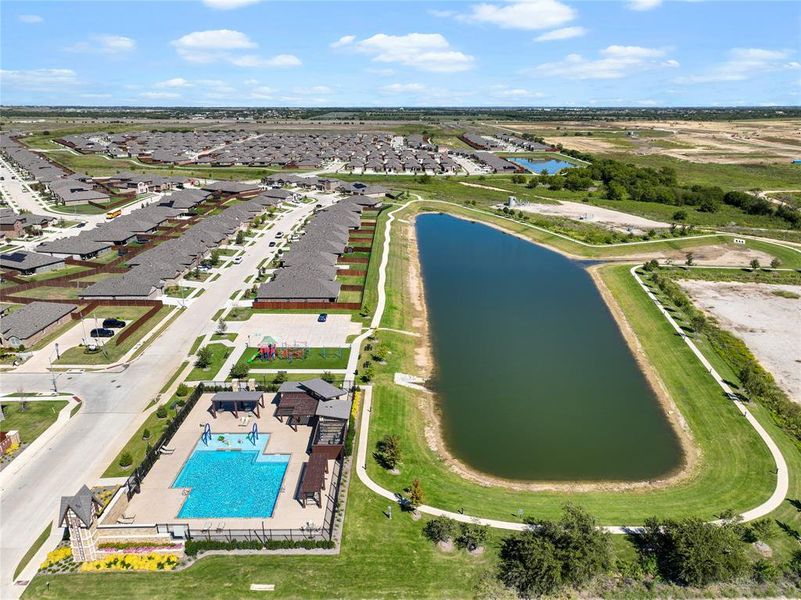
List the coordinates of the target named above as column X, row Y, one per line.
column 182, row 390
column 416, row 495
column 388, row 452
column 204, row 357
column 194, row 547
column 161, row 412
column 126, row 460
column 146, row 434
column 240, row 370
column 471, row 535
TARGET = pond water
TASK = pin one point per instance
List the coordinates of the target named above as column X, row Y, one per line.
column 538, row 166
column 533, row 377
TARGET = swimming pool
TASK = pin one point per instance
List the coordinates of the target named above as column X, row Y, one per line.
column 538, row 166
column 231, row 477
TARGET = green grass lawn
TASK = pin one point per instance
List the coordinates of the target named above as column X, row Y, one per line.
column 50, row 293
column 219, row 353
column 38, row 416
column 111, row 350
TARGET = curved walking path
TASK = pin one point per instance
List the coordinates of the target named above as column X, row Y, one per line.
column 772, row 503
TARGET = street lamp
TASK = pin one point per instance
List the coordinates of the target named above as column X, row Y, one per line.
column 57, row 353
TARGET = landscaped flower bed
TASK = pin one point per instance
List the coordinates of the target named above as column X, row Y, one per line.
column 59, row 561
column 133, row 562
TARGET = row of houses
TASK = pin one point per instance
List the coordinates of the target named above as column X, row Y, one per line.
column 164, row 264
column 14, row 224
column 326, row 184
column 308, row 271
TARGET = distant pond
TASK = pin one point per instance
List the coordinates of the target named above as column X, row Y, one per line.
column 534, row 379
column 538, row 166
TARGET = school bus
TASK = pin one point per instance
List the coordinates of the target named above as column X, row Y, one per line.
column 113, row 214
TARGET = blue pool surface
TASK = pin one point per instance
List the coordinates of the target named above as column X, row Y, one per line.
column 231, row 477
column 538, row 166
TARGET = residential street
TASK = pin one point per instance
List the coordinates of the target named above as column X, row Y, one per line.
column 112, row 401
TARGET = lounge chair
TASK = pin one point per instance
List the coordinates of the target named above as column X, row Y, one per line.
column 220, row 526
column 243, row 421
column 207, row 526
column 166, row 450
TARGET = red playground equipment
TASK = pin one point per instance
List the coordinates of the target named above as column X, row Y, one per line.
column 269, row 350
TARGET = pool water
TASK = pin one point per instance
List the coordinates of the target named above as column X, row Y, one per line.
column 231, row 477
column 538, row 166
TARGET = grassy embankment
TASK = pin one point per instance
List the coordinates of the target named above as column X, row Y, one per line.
column 31, row 422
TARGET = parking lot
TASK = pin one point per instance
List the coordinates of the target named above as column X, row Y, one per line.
column 301, row 329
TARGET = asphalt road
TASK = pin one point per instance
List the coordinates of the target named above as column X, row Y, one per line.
column 112, row 402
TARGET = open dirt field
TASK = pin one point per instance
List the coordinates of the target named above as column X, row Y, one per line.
column 696, row 141
column 597, row 215
column 767, row 323
column 720, row 255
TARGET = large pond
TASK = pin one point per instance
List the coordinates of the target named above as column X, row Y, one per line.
column 533, row 377
column 538, row 166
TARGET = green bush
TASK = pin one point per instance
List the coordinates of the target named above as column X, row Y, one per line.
column 182, row 390
column 161, row 412
column 194, row 547
column 126, row 460
column 146, row 434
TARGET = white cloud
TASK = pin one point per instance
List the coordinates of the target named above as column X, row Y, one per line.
column 38, row 80
column 310, row 91
column 403, row 88
column 561, row 34
column 30, row 19
column 345, row 40
column 212, row 45
column 522, row 14
column 105, row 44
column 520, row 93
column 744, row 63
column 226, row 45
column 615, row 62
column 228, row 4
column 381, row 72
column 441, row 13
column 176, row 82
column 251, row 82
column 644, row 4
column 279, row 61
column 423, row 51
column 160, row 95
column 262, row 93
column 91, row 96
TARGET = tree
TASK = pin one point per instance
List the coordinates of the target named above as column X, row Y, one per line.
column 775, row 263
column 416, row 495
column 689, row 259
column 440, row 529
column 651, row 265
column 240, row 370
column 753, row 380
column 548, row 554
column 222, row 327
column 182, row 390
column 204, row 357
column 214, row 259
column 680, row 215
column 530, row 565
column 471, row 536
column 693, row 552
column 240, row 237
column 280, row 377
column 146, row 434
column 754, row 264
column 327, row 377
column 388, row 452
column 698, row 322
column 126, row 460
column 161, row 412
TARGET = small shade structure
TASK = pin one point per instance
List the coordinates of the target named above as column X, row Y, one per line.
column 312, row 482
column 236, row 401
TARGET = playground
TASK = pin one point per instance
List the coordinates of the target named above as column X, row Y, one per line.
column 270, row 354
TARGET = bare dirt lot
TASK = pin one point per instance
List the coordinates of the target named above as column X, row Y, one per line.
column 597, row 215
column 695, row 141
column 768, row 323
column 718, row 255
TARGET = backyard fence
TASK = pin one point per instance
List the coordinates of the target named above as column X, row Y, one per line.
column 135, row 480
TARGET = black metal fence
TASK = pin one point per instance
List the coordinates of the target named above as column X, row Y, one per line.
column 263, row 534
column 151, row 456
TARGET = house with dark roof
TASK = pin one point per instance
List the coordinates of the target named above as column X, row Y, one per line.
column 32, row 322
column 29, row 263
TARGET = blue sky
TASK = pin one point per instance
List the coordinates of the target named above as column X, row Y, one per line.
column 509, row 53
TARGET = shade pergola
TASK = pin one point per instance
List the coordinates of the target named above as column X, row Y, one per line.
column 313, row 481
column 236, row 401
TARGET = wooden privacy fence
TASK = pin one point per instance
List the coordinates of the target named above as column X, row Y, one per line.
column 262, row 305
column 130, row 329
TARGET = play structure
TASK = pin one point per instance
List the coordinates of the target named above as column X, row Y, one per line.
column 269, row 350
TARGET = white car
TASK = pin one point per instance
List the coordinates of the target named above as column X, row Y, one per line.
column 237, row 260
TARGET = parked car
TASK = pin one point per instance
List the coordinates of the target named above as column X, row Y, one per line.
column 237, row 260
column 279, row 235
column 113, row 323
column 81, row 224
column 101, row 332
column 271, row 244
column 322, row 318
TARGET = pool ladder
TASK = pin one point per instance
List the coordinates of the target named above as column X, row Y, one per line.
column 206, row 437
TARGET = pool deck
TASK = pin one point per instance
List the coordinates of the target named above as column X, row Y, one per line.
column 159, row 503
